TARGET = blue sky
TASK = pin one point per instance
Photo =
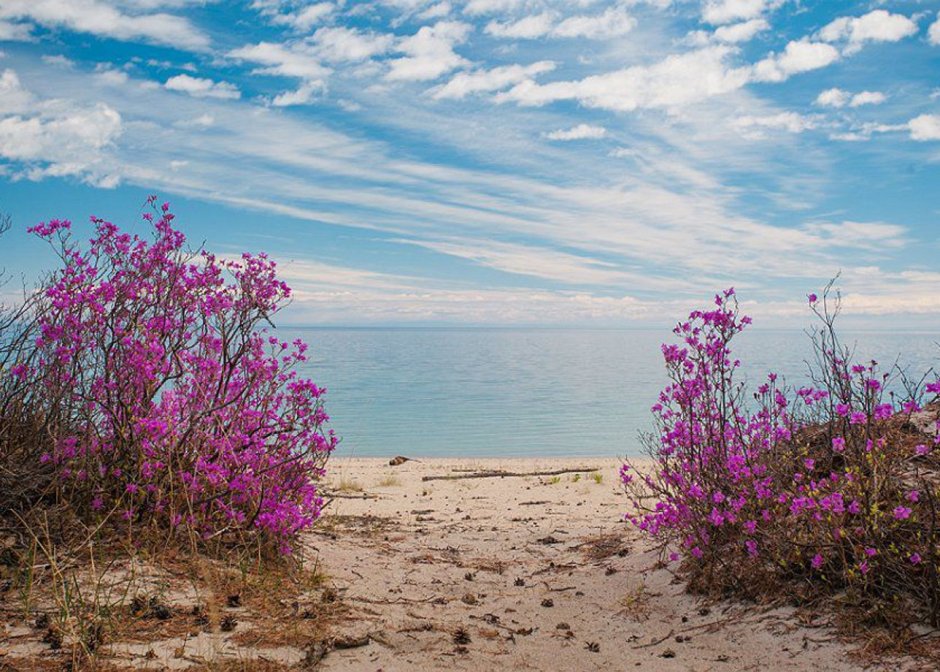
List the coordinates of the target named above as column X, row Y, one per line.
column 497, row 161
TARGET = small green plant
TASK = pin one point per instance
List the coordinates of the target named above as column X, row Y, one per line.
column 576, row 478
column 554, row 480
column 598, row 477
column 389, row 481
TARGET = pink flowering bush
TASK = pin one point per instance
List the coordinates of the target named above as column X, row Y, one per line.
column 831, row 488
column 167, row 401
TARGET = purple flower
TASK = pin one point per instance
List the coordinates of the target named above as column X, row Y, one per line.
column 902, row 512
column 838, row 444
column 813, row 298
column 858, row 418
column 817, row 561
column 915, row 558
column 883, row 411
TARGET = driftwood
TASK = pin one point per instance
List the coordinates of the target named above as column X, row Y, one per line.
column 502, row 474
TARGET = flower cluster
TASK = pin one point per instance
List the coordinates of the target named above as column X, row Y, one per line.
column 830, row 483
column 168, row 400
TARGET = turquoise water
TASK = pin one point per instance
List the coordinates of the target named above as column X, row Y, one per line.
column 526, row 392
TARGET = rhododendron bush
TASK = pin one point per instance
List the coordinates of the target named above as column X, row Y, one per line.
column 830, row 488
column 167, row 400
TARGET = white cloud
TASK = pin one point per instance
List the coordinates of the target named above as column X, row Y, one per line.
column 437, row 11
column 834, row 97
column 860, row 235
column 294, row 60
column 198, row 87
column 863, row 132
column 680, row 79
column 336, row 44
column 925, row 127
column 530, row 260
column 202, row 121
column 15, row 32
column 741, row 32
column 100, row 18
column 933, row 33
column 53, row 138
column 13, row 97
column 287, row 13
column 526, row 28
column 309, row 16
column 791, row 122
column 718, row 12
column 614, row 22
column 476, row 7
column 58, row 61
column 867, row 98
column 430, row 52
column 481, row 81
column 837, row 97
column 301, row 96
column 110, row 76
column 876, row 26
column 579, row 132
column 798, row 56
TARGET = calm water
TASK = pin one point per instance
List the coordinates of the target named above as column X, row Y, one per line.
column 526, row 392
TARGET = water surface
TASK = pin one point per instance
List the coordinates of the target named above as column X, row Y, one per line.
column 450, row 392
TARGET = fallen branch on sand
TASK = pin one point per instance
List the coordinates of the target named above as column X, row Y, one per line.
column 502, row 474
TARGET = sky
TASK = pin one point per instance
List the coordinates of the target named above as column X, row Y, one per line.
column 496, row 162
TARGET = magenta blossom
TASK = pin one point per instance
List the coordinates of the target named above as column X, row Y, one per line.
column 902, row 512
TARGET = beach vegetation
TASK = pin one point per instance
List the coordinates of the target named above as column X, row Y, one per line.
column 141, row 389
column 823, row 491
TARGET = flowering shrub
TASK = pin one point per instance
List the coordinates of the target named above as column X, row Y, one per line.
column 22, row 478
column 826, row 488
column 167, row 400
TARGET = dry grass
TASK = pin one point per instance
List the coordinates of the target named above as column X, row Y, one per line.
column 605, row 546
column 349, row 485
column 636, row 603
column 80, row 606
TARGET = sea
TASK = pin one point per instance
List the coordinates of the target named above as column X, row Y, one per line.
column 532, row 392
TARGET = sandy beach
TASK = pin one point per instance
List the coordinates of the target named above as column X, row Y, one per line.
column 527, row 573
column 414, row 569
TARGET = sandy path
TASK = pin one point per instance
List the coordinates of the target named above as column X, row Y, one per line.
column 472, row 575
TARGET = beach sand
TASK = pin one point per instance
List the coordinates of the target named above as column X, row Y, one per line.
column 498, row 573
column 527, row 573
